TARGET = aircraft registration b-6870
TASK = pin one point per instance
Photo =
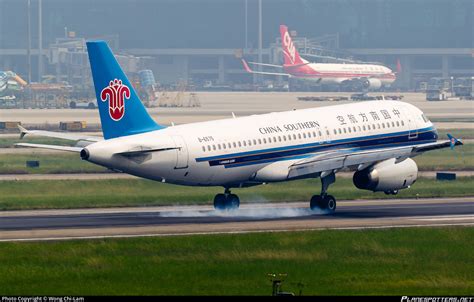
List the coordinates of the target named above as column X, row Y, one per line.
column 375, row 139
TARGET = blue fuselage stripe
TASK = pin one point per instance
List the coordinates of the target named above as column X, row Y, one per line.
column 395, row 139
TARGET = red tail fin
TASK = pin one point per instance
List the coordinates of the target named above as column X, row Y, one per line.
column 291, row 55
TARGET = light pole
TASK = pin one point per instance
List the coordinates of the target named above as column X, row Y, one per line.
column 260, row 36
column 40, row 41
column 246, row 24
column 28, row 50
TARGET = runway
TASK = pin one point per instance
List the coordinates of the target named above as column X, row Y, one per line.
column 269, row 217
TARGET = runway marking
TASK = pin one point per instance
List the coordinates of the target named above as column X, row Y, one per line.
column 232, row 232
column 446, row 218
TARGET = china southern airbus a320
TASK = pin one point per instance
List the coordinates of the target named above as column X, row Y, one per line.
column 375, row 139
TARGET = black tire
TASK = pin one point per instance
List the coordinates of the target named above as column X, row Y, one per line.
column 330, row 203
column 232, row 202
column 220, row 202
column 315, row 202
column 91, row 106
column 72, row 105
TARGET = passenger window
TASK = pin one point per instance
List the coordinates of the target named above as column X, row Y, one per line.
column 363, row 127
column 289, row 137
column 393, row 124
column 299, row 136
column 223, row 146
column 264, row 141
column 327, row 132
column 294, row 136
column 229, row 145
column 335, row 132
column 284, row 138
column 214, row 147
column 349, row 128
column 240, row 144
column 259, row 141
column 279, row 138
column 345, row 131
column 244, row 143
column 383, row 125
column 403, row 124
column 235, row 145
column 209, row 148
column 204, row 148
column 378, row 126
column 250, row 142
column 304, row 135
column 398, row 124
column 219, row 146
column 254, row 141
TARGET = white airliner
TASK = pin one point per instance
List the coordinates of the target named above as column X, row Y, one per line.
column 375, row 139
column 366, row 76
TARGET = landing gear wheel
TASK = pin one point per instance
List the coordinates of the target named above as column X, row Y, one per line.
column 315, row 202
column 330, row 203
column 219, row 202
column 232, row 202
column 226, row 202
column 327, row 203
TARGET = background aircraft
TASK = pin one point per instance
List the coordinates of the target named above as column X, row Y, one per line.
column 355, row 76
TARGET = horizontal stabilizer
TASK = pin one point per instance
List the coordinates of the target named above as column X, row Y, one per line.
column 61, row 135
column 247, row 68
column 51, row 147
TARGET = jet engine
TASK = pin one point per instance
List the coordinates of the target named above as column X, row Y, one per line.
column 388, row 176
column 372, row 83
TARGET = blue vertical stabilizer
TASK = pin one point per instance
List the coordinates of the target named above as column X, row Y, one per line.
column 121, row 111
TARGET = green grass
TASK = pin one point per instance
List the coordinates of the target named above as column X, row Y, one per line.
column 409, row 261
column 8, row 142
column 42, row 194
column 49, row 164
column 460, row 133
column 461, row 158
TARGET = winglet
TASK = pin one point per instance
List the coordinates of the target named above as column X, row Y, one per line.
column 246, row 66
column 454, row 141
column 23, row 131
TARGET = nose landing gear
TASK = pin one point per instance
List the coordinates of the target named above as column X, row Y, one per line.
column 226, row 201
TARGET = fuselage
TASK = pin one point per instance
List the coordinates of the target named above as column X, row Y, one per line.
column 325, row 73
column 230, row 152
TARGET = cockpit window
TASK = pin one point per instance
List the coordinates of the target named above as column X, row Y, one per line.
column 425, row 118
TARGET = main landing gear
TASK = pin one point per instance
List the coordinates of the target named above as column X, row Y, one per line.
column 324, row 201
column 226, row 201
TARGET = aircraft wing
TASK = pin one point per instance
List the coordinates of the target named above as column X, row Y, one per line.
column 249, row 70
column 62, row 135
column 334, row 161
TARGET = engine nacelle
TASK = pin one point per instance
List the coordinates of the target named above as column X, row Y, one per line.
column 372, row 83
column 387, row 176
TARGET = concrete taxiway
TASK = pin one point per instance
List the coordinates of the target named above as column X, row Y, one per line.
column 270, row 217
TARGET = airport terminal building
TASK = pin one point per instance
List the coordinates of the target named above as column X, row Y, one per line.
column 200, row 42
